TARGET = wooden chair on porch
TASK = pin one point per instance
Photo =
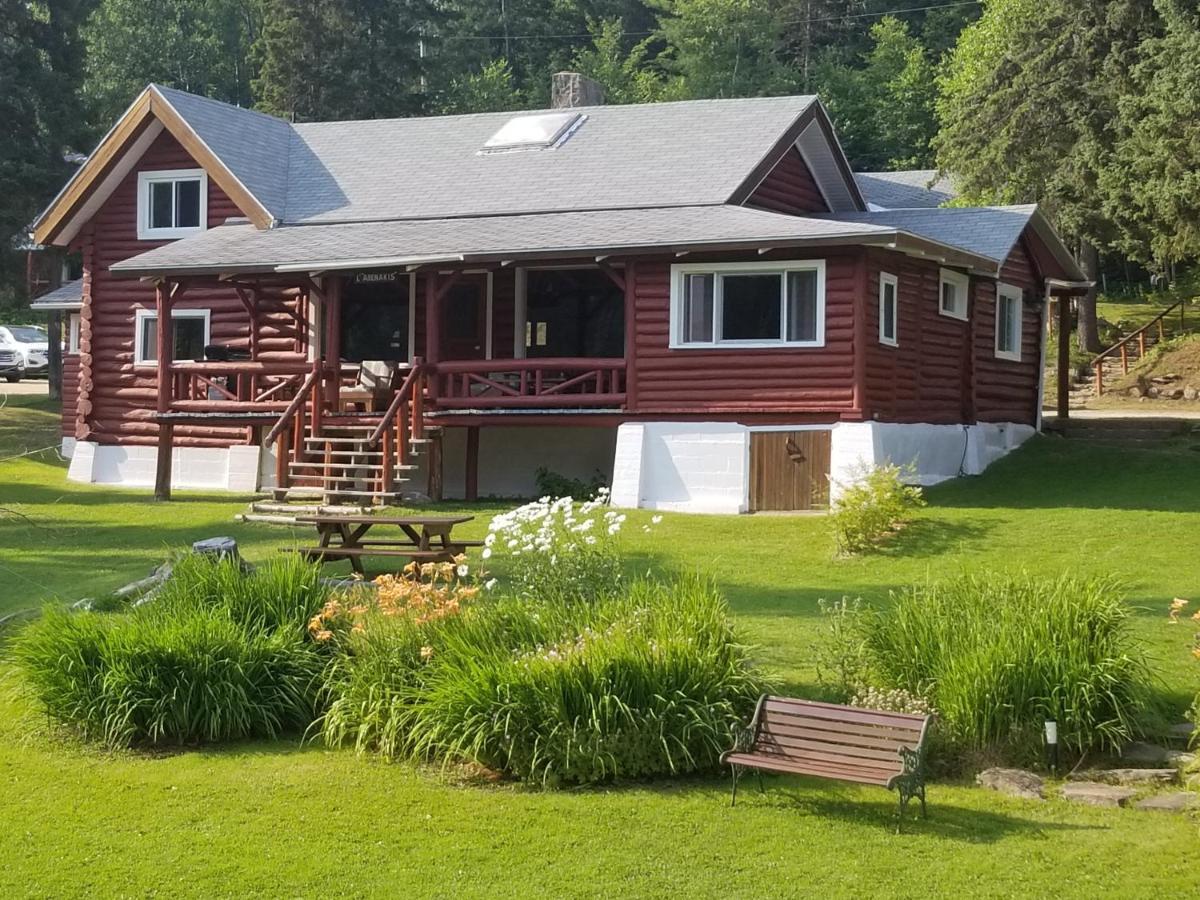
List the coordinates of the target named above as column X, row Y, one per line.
column 372, row 391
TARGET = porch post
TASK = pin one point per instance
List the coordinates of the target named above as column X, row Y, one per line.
column 166, row 429
column 433, row 318
column 1064, row 358
column 333, row 340
column 630, row 335
column 472, row 474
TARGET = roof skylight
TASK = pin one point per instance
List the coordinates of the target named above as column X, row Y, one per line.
column 535, row 132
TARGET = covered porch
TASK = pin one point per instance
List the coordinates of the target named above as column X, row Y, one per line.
column 384, row 358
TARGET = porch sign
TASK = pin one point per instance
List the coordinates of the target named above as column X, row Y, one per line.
column 376, row 277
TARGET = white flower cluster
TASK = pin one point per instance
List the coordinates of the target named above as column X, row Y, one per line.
column 551, row 526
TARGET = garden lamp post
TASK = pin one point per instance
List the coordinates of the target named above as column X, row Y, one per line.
column 1051, row 727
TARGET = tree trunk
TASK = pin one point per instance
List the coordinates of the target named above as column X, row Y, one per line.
column 54, row 354
column 1089, row 328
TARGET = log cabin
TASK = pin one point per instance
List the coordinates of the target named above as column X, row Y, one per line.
column 697, row 302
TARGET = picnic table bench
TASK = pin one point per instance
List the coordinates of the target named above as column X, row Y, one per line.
column 844, row 743
column 426, row 538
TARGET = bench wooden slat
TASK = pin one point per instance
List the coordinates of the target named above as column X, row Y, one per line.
column 824, row 730
column 800, row 767
column 914, row 719
column 802, row 745
column 898, row 721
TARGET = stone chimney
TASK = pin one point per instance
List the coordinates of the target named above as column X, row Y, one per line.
column 568, row 89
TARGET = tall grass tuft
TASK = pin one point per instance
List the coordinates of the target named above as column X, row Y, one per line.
column 997, row 655
column 651, row 682
column 218, row 655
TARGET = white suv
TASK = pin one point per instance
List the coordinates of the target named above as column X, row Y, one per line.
column 23, row 350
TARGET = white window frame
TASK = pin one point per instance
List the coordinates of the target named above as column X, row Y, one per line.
column 962, row 290
column 885, row 279
column 139, row 350
column 145, row 179
column 1015, row 294
column 73, row 322
column 679, row 273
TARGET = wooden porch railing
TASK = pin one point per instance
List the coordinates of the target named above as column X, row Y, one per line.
column 1122, row 346
column 288, row 433
column 249, row 386
column 529, row 383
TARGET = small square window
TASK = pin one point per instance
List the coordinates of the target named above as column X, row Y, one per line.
column 888, row 309
column 189, row 329
column 952, row 294
column 172, row 204
column 1009, row 317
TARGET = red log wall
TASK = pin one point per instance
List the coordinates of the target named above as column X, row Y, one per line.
column 789, row 188
column 116, row 399
column 1006, row 391
column 818, row 380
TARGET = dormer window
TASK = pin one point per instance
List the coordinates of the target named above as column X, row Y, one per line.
column 172, row 203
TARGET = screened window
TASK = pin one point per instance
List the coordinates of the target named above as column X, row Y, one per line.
column 189, row 328
column 1008, row 322
column 953, row 294
column 888, row 309
column 573, row 312
column 748, row 305
column 172, row 204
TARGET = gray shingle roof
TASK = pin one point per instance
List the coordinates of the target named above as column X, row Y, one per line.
column 989, row 231
column 242, row 247
column 253, row 145
column 911, row 189
column 67, row 296
column 660, row 154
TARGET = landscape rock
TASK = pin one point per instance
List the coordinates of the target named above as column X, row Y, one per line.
column 1178, row 801
column 1190, row 393
column 220, row 547
column 1136, row 391
column 1095, row 794
column 1014, row 782
column 1153, row 755
column 1172, row 393
column 1129, row 777
column 1152, row 391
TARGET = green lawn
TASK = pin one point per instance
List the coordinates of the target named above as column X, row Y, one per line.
column 274, row 819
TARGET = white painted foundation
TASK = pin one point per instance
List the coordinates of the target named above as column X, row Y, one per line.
column 201, row 468
column 67, row 450
column 703, row 467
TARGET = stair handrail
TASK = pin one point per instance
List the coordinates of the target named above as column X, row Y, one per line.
column 406, row 388
column 1133, row 334
column 297, row 402
column 1097, row 363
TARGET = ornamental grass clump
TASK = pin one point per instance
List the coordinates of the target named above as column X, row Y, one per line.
column 650, row 682
column 218, row 655
column 998, row 655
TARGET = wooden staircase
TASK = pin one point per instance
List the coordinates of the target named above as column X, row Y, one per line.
column 1116, row 361
column 332, row 457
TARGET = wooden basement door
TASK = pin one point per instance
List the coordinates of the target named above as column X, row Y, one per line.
column 789, row 470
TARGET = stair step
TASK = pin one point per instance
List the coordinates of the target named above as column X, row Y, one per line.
column 270, row 507
column 348, row 466
column 266, row 519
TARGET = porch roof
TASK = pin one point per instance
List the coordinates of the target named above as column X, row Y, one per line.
column 68, row 296
column 241, row 248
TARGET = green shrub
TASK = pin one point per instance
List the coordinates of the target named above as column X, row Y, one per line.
column 998, row 655
column 218, row 655
column 871, row 508
column 651, row 682
column 554, row 484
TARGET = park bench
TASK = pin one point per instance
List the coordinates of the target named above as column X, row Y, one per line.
column 843, row 743
column 426, row 538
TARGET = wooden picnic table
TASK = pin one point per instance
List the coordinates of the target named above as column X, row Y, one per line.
column 426, row 538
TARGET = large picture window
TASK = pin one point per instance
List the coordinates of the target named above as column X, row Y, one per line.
column 172, row 203
column 1009, row 306
column 189, row 328
column 748, row 304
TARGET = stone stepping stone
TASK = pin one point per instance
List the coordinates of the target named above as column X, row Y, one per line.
column 1142, row 754
column 1129, row 777
column 1014, row 782
column 1180, row 801
column 1095, row 794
